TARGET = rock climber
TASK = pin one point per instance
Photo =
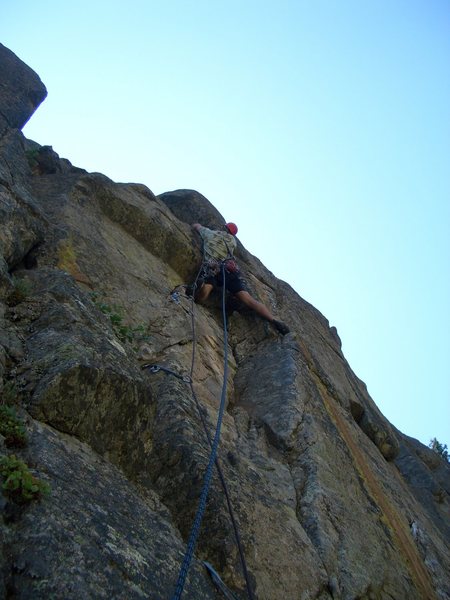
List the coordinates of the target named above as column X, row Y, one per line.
column 218, row 247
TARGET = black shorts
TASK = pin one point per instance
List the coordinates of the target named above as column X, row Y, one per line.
column 233, row 282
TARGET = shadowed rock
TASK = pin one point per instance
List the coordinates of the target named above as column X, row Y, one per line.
column 21, row 91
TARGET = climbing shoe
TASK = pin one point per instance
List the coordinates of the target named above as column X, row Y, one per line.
column 280, row 327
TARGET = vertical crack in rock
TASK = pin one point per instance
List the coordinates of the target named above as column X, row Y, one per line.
column 394, row 521
column 269, row 415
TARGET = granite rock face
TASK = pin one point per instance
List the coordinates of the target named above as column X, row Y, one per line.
column 330, row 499
column 21, row 91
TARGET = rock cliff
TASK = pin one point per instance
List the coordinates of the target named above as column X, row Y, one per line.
column 331, row 501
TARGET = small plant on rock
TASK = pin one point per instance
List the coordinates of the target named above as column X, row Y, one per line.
column 19, row 483
column 124, row 332
column 12, row 428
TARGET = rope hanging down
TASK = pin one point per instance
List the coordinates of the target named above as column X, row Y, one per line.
column 208, row 436
column 209, row 469
column 215, row 577
column 212, row 460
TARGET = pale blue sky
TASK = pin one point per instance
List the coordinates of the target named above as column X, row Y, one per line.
column 322, row 128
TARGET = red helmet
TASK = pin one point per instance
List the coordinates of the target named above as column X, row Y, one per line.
column 232, row 228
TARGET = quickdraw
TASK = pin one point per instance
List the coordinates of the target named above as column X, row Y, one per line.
column 218, row 582
column 156, row 368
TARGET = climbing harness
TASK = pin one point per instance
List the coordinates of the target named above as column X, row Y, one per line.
column 230, row 264
column 212, row 460
column 218, row 582
column 157, row 368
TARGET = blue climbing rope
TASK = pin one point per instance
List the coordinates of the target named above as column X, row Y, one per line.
column 201, row 411
column 195, row 530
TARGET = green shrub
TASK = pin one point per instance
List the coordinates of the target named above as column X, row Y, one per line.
column 12, row 428
column 125, row 333
column 439, row 448
column 10, row 393
column 19, row 484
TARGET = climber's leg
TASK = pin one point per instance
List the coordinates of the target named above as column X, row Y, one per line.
column 203, row 293
column 258, row 307
column 262, row 311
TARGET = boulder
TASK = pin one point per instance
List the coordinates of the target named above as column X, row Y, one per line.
column 21, row 91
